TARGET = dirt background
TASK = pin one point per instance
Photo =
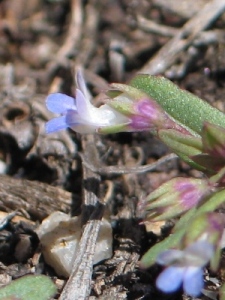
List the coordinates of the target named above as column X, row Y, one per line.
column 42, row 42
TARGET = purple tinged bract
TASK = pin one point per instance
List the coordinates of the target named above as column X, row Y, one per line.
column 176, row 196
column 184, row 267
column 147, row 115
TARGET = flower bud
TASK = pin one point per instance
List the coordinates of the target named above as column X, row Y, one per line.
column 175, row 197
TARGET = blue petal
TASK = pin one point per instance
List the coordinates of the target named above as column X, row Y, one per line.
column 170, row 279
column 56, row 124
column 59, row 103
column 193, row 281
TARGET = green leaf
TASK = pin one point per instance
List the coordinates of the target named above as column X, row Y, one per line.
column 213, row 202
column 184, row 107
column 30, row 287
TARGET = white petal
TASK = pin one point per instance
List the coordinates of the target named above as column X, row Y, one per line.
column 81, row 85
column 91, row 115
column 83, row 105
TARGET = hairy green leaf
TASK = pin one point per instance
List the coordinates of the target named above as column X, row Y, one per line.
column 184, row 107
column 29, row 287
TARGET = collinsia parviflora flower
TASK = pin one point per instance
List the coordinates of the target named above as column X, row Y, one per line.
column 184, row 267
column 201, row 246
column 78, row 113
column 207, row 226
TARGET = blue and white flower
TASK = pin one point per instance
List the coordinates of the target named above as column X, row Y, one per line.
column 184, row 268
column 79, row 114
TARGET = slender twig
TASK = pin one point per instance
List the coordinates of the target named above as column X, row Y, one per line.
column 79, row 284
column 152, row 27
column 118, row 170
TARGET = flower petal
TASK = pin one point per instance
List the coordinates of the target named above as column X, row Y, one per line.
column 58, row 103
column 92, row 115
column 83, row 105
column 193, row 281
column 75, row 122
column 170, row 279
column 56, row 124
column 168, row 257
column 72, row 118
column 81, row 85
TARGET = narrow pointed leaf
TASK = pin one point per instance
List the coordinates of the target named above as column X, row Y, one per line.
column 213, row 202
column 183, row 145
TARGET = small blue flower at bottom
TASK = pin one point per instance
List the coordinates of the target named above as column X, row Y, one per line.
column 184, row 267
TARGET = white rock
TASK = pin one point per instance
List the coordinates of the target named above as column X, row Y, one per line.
column 60, row 234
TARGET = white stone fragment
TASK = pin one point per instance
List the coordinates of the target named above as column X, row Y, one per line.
column 60, row 234
column 3, row 167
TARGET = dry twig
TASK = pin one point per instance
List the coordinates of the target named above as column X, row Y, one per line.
column 183, row 39
column 204, row 38
column 79, row 283
column 117, row 170
column 38, row 199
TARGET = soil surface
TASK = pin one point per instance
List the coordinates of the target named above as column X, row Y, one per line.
column 42, row 42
